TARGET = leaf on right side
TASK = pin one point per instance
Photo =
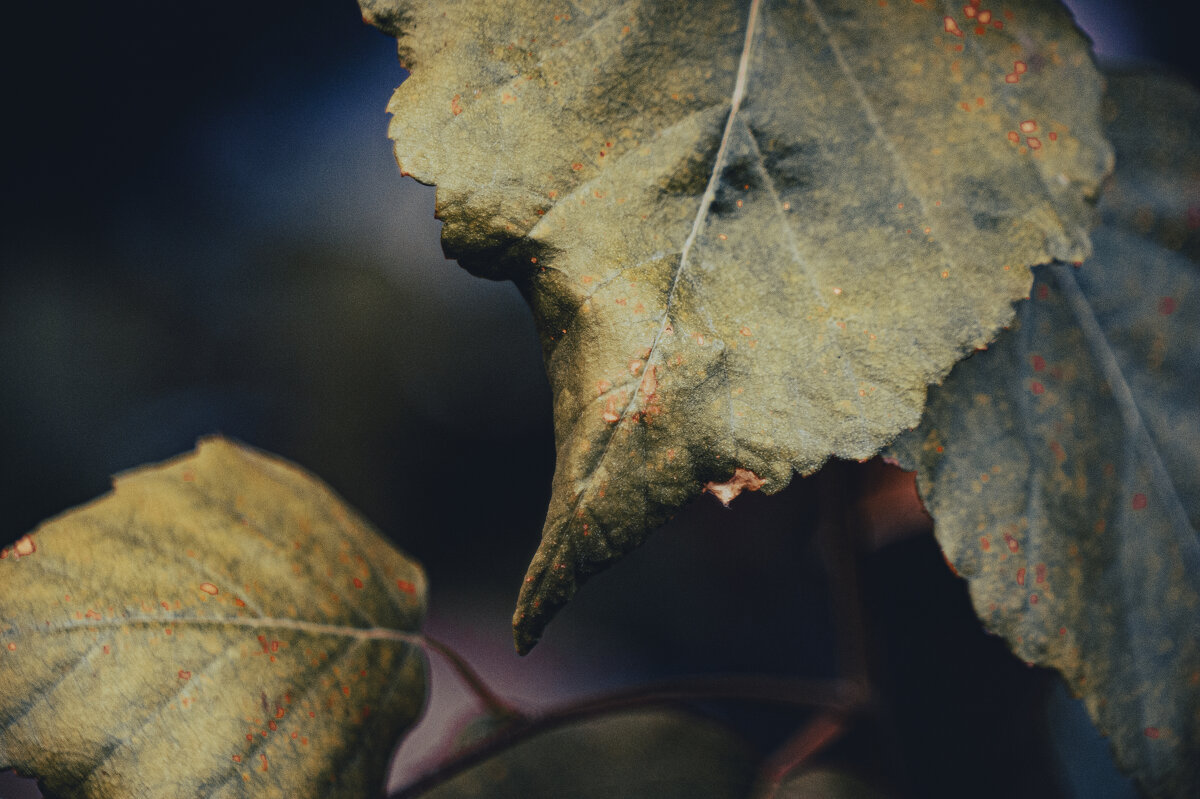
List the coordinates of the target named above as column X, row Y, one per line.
column 1062, row 467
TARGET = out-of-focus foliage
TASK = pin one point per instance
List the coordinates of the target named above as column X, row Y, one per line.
column 645, row 754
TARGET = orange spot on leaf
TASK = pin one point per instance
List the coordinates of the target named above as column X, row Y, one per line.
column 24, row 546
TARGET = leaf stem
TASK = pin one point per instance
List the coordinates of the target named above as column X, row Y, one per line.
column 493, row 702
column 796, row 751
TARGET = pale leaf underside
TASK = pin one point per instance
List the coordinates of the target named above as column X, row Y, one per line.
column 751, row 232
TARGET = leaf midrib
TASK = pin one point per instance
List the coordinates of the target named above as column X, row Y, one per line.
column 1122, row 393
column 706, row 201
column 255, row 623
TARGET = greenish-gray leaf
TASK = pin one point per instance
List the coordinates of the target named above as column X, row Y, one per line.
column 752, row 231
column 645, row 754
column 1062, row 466
column 220, row 625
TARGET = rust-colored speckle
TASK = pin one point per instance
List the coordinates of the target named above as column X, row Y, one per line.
column 742, row 480
column 406, row 586
column 358, row 583
column 1028, row 126
column 1139, row 501
column 951, row 26
column 1167, row 306
column 24, row 546
column 609, row 414
column 1152, row 733
column 1021, row 576
column 209, row 589
column 184, row 674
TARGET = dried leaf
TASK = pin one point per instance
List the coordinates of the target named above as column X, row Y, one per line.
column 1062, row 466
column 220, row 625
column 751, row 232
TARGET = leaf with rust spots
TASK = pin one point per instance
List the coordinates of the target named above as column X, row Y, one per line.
column 764, row 227
column 220, row 625
column 1062, row 466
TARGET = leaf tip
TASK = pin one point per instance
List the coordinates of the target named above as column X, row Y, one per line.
column 549, row 585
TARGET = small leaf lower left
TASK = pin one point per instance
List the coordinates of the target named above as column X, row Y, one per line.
column 219, row 625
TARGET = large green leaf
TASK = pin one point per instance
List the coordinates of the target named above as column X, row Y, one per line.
column 220, row 625
column 752, row 231
column 1062, row 466
column 643, row 754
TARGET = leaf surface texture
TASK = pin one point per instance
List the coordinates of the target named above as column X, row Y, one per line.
column 751, row 232
column 219, row 625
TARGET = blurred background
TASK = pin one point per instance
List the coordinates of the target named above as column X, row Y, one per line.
column 203, row 231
